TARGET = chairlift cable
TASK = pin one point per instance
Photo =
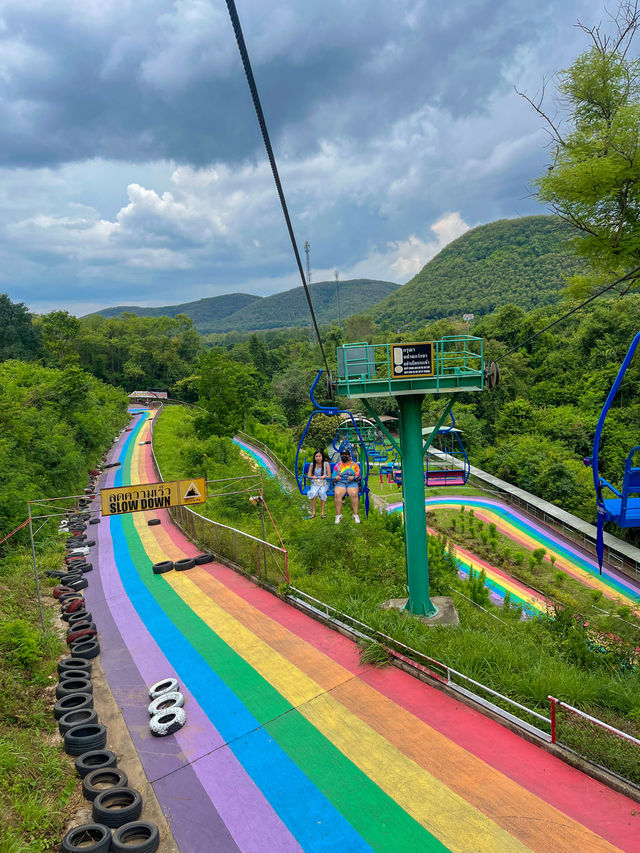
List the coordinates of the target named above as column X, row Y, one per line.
column 628, row 275
column 244, row 55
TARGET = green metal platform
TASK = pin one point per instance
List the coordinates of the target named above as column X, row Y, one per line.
column 447, row 366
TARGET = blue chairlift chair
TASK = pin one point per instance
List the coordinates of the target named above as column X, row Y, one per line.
column 358, row 450
column 623, row 508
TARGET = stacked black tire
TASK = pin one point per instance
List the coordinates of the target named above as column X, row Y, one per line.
column 116, row 807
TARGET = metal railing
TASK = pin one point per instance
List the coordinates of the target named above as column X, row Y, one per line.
column 590, row 738
column 430, row 666
column 241, row 551
column 286, row 472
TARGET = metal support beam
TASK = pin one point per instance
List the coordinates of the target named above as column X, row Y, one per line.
column 386, row 432
column 415, row 517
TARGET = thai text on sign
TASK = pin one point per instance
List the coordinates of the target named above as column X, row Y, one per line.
column 411, row 360
column 146, row 496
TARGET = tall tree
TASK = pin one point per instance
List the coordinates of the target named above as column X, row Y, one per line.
column 593, row 180
column 18, row 338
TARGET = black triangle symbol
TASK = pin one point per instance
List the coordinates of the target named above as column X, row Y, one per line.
column 192, row 492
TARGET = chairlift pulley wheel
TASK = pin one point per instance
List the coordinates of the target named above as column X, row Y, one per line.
column 491, row 375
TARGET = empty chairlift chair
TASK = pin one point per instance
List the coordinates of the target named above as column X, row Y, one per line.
column 447, row 463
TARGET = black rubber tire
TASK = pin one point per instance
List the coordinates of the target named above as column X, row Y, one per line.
column 89, row 543
column 162, row 567
column 79, row 625
column 61, row 589
column 136, row 837
column 167, row 722
column 94, row 521
column 103, row 779
column 89, row 649
column 165, row 685
column 81, row 634
column 81, row 583
column 73, row 673
column 201, row 559
column 74, row 663
column 83, row 567
column 81, row 739
column 81, row 615
column 184, row 564
column 68, row 597
column 74, row 606
column 74, row 702
column 73, row 685
column 87, row 838
column 153, row 521
column 83, row 717
column 118, row 806
column 95, row 759
column 54, row 573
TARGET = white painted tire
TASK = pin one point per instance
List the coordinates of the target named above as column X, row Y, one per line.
column 167, row 722
column 167, row 685
column 166, row 702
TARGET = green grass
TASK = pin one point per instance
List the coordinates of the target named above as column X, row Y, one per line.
column 37, row 779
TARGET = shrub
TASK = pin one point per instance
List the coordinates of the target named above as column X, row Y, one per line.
column 20, row 644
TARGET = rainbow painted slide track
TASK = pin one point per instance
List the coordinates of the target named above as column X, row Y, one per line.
column 523, row 530
column 290, row 743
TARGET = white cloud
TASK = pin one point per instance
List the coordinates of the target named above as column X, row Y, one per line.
column 400, row 260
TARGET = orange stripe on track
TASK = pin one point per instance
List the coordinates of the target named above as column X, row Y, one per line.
column 523, row 814
column 602, row 810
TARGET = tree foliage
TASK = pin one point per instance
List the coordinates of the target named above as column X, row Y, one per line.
column 18, row 338
column 54, row 425
column 593, row 180
column 523, row 261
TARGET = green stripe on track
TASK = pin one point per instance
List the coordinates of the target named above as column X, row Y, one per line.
column 372, row 813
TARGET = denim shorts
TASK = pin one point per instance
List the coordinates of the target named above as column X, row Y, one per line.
column 346, row 484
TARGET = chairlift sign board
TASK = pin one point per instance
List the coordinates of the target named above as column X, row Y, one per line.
column 146, row 496
column 412, row 361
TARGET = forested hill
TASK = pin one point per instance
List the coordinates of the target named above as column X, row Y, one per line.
column 242, row 312
column 203, row 311
column 523, row 261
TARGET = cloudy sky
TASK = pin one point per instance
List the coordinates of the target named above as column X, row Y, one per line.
column 132, row 170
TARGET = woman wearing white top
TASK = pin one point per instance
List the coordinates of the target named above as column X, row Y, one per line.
column 319, row 472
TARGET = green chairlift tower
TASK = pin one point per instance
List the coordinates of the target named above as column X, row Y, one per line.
column 408, row 371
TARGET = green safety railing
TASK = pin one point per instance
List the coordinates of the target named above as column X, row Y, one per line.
column 366, row 369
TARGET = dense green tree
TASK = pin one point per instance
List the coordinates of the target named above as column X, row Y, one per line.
column 138, row 352
column 18, row 338
column 59, row 331
column 54, row 424
column 227, row 391
column 593, row 181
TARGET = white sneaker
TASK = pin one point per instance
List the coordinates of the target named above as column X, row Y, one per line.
column 356, row 519
column 338, row 519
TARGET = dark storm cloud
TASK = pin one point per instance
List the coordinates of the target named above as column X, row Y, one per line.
column 149, row 81
column 132, row 169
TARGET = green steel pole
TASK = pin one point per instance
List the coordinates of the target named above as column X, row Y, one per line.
column 415, row 517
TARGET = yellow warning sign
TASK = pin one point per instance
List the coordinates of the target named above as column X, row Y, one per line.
column 145, row 496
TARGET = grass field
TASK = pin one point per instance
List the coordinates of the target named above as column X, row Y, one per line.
column 37, row 779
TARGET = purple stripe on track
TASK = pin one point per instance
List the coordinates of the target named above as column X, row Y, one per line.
column 245, row 818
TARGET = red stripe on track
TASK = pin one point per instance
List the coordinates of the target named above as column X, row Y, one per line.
column 587, row 801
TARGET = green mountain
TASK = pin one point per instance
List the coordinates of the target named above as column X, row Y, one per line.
column 290, row 308
column 525, row 261
column 202, row 311
column 242, row 312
